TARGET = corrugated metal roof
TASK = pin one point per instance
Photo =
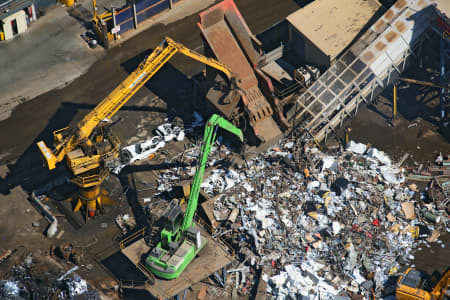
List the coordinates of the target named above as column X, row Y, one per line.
column 331, row 25
column 410, row 19
column 9, row 7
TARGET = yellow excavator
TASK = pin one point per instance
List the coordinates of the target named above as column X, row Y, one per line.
column 415, row 285
column 89, row 147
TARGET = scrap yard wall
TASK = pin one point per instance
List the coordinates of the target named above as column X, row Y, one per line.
column 306, row 51
column 145, row 9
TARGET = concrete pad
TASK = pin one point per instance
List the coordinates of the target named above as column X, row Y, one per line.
column 49, row 55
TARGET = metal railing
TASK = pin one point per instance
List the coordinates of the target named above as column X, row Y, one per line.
column 141, row 232
column 132, row 238
column 282, row 93
column 211, row 231
column 90, row 180
column 132, row 284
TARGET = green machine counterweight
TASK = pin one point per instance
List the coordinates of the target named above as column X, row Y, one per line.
column 181, row 241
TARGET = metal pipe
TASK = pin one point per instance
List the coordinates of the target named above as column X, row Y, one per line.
column 33, row 12
column 135, row 15
column 94, row 7
column 425, row 83
column 114, row 21
column 222, row 283
column 224, row 275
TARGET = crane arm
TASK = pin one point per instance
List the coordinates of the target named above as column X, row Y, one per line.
column 208, row 140
column 119, row 96
column 146, row 70
column 201, row 58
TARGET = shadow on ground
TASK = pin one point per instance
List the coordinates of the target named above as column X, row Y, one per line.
column 169, row 84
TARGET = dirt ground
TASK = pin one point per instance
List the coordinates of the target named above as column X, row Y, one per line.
column 169, row 94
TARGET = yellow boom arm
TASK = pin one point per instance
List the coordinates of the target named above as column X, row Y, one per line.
column 67, row 140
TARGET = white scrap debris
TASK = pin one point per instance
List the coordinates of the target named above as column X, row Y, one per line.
column 9, row 289
column 143, row 150
column 140, row 151
column 358, row 277
column 329, row 163
column 76, row 286
column 170, row 132
column 336, row 227
column 392, row 175
column 125, row 223
column 354, row 147
column 295, row 281
column 249, row 188
column 313, row 185
column 52, row 229
column 380, row 155
column 289, row 145
column 68, row 273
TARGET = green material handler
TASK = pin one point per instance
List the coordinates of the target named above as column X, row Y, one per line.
column 181, row 241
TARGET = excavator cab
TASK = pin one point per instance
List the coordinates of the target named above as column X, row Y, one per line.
column 172, row 219
column 415, row 279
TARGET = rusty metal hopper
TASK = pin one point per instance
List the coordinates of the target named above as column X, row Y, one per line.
column 233, row 44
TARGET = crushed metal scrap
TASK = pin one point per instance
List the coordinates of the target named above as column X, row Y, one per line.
column 323, row 226
column 32, row 279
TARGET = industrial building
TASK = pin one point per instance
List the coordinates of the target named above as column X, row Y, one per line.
column 321, row 30
column 15, row 16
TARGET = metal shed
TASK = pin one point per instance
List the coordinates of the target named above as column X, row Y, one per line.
column 320, row 31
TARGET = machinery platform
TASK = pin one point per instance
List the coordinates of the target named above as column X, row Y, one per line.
column 212, row 258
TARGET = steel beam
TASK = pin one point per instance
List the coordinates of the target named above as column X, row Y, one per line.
column 222, row 283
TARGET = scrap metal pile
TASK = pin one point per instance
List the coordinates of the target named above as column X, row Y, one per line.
column 33, row 279
column 323, row 226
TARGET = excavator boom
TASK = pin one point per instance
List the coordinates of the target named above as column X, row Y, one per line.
column 208, row 140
